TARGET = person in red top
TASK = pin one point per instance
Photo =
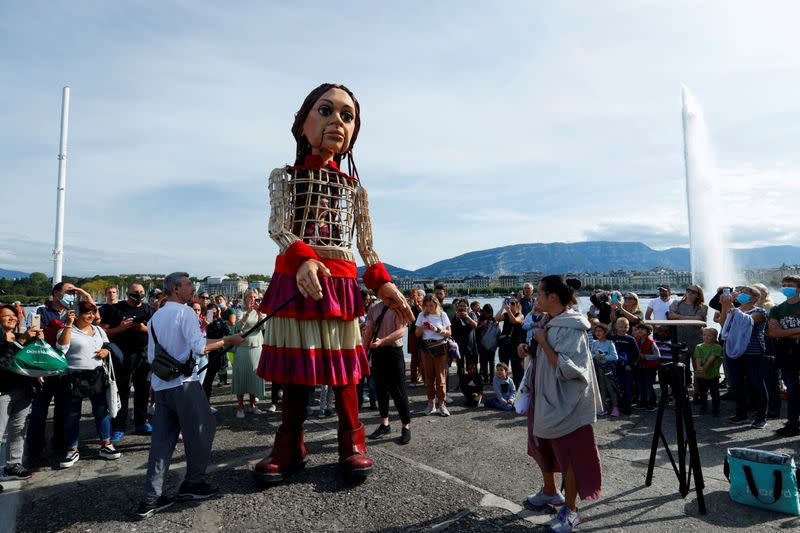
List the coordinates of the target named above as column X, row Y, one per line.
column 316, row 212
column 648, row 365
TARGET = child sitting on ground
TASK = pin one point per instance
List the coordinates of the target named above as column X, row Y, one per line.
column 504, row 390
column 471, row 385
column 648, row 365
column 605, row 358
column 707, row 360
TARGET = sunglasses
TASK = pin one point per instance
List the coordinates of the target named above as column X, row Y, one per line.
column 691, row 290
column 205, row 297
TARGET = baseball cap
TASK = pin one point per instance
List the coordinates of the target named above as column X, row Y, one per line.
column 154, row 293
column 663, row 288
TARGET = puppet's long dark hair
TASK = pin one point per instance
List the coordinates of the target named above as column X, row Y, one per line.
column 304, row 147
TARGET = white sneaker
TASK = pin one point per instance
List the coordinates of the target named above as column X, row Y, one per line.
column 443, row 410
column 431, row 409
column 254, row 410
column 109, row 452
column 240, row 413
column 212, row 409
column 272, row 408
column 540, row 499
column 71, row 458
column 565, row 522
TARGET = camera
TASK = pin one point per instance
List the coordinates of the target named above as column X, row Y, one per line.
column 726, row 292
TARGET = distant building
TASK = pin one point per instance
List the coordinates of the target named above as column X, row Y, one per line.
column 260, row 285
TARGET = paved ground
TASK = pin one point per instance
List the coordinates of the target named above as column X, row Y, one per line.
column 468, row 472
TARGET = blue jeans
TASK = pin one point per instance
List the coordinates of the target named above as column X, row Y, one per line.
column 625, row 378
column 647, row 378
column 72, row 418
column 494, row 403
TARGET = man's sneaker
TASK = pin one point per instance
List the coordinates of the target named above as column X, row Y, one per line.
column 565, row 521
column 738, row 420
column 71, row 458
column 759, row 424
column 540, row 499
column 144, row 429
column 380, row 431
column 116, row 437
column 789, row 430
column 16, row 472
column 443, row 411
column 149, row 508
column 196, row 491
column 109, row 452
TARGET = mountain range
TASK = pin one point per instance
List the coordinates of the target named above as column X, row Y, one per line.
column 12, row 274
column 560, row 257
column 592, row 256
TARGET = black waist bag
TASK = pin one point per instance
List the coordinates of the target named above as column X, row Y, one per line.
column 167, row 367
column 87, row 383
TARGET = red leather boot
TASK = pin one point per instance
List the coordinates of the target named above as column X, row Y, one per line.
column 352, row 447
column 288, row 451
column 288, row 455
column 353, row 453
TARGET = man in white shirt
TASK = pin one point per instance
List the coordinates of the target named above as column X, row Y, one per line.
column 658, row 308
column 181, row 404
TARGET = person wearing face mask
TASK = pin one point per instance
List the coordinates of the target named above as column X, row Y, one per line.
column 125, row 324
column 784, row 329
column 743, row 331
column 53, row 316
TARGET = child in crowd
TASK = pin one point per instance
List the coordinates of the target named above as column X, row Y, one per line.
column 326, row 399
column 648, row 365
column 605, row 358
column 707, row 360
column 628, row 359
column 471, row 385
column 504, row 390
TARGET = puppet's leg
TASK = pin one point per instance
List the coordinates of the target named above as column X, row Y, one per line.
column 288, row 451
column 352, row 447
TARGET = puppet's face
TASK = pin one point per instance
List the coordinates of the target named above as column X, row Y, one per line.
column 330, row 123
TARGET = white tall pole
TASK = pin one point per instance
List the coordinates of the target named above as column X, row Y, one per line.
column 58, row 251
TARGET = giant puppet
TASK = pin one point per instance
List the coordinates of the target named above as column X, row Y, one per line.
column 316, row 211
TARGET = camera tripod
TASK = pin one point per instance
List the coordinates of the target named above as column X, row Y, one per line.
column 686, row 436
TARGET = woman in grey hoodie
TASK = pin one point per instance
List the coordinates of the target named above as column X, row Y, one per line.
column 564, row 407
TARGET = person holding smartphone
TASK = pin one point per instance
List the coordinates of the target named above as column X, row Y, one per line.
column 125, row 323
column 245, row 362
column 16, row 393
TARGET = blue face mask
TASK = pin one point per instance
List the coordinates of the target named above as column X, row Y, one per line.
column 67, row 299
column 789, row 292
column 743, row 298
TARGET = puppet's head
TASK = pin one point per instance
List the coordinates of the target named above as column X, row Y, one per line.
column 327, row 122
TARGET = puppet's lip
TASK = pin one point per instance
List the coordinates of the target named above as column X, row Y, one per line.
column 336, row 133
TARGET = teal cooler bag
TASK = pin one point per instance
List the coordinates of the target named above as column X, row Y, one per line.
column 763, row 479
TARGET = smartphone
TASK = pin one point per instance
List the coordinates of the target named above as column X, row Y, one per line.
column 74, row 305
column 614, row 298
column 726, row 292
column 506, row 301
column 36, row 321
column 209, row 316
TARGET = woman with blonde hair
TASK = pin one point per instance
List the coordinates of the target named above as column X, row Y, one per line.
column 433, row 326
column 771, row 375
column 245, row 362
column 629, row 309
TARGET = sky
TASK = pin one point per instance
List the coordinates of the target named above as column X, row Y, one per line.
column 483, row 123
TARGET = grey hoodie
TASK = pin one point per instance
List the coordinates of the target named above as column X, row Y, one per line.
column 567, row 397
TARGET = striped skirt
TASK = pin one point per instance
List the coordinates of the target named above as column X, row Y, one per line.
column 312, row 352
